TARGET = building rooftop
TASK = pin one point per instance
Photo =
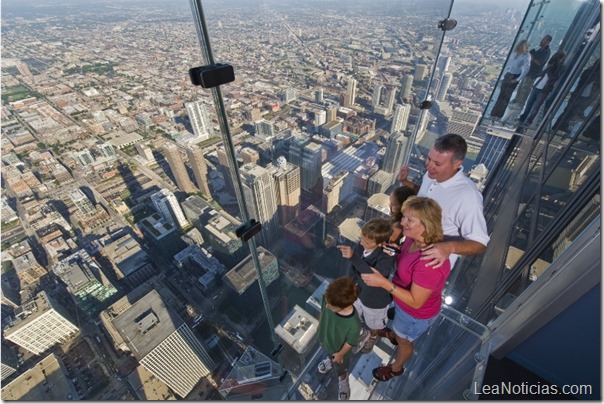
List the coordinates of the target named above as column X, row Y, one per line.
column 146, row 324
column 28, row 312
column 298, row 328
column 127, row 254
column 350, row 229
column 148, row 387
column 244, row 273
column 45, row 381
column 74, row 272
column 305, row 221
column 380, row 202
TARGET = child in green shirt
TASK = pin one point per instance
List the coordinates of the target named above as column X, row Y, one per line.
column 339, row 329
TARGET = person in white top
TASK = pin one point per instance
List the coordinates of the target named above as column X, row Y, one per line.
column 518, row 67
column 464, row 225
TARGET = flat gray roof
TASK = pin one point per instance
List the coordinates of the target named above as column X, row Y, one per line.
column 146, row 324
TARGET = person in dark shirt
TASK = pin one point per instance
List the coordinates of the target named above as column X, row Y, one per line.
column 543, row 87
column 372, row 304
column 584, row 95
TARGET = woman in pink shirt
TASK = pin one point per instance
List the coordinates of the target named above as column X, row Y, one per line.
column 415, row 287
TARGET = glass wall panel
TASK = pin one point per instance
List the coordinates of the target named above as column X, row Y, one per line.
column 543, row 18
column 312, row 105
column 530, row 272
column 549, row 156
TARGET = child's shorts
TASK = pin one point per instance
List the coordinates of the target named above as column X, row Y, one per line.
column 374, row 319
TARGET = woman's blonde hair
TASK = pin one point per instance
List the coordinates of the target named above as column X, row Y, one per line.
column 429, row 214
column 522, row 44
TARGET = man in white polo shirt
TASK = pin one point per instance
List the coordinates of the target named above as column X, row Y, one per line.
column 463, row 220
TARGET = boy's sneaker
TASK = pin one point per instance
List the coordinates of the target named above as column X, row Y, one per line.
column 365, row 334
column 368, row 347
column 325, row 365
column 343, row 389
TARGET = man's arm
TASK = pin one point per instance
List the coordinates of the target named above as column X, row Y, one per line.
column 402, row 177
column 438, row 253
column 472, row 228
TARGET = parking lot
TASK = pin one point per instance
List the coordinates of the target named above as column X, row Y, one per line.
column 84, row 370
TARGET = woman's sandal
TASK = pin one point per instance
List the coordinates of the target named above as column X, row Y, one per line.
column 388, row 333
column 385, row 373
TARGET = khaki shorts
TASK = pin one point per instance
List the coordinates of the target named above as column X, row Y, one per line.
column 374, row 319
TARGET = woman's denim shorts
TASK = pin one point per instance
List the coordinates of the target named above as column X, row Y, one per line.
column 408, row 327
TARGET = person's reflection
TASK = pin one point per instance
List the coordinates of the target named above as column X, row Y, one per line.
column 542, row 87
column 518, row 67
column 585, row 94
column 592, row 132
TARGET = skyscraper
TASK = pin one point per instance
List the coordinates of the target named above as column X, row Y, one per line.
column 494, row 145
column 34, row 384
column 463, row 123
column 424, row 118
column 81, row 201
column 406, row 85
column 287, row 185
column 177, row 166
column 377, row 94
column 351, row 91
column 338, row 188
column 264, row 129
column 379, row 182
column 319, row 95
column 259, row 192
column 421, row 71
column 249, row 155
column 389, row 97
column 200, row 120
column 77, row 272
column 219, row 230
column 289, row 95
column 40, row 324
column 254, row 374
column 443, row 63
column 296, row 146
column 378, row 205
column 444, row 86
column 223, row 167
column 331, row 114
column 166, row 204
column 145, row 152
column 200, row 169
column 400, row 118
column 311, row 166
column 395, row 152
column 299, row 334
column 163, row 343
column 320, row 118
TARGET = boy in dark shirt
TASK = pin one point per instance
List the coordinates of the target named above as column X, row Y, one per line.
column 339, row 328
column 372, row 304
